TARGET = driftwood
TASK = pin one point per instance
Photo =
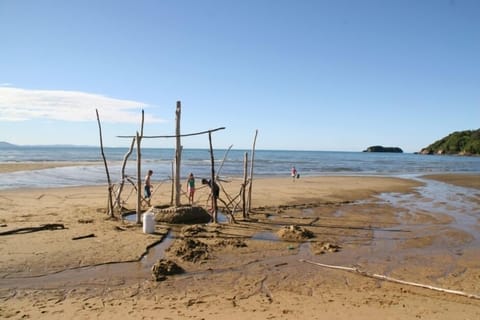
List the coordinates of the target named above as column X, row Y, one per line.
column 223, row 161
column 178, row 150
column 386, row 278
column 251, row 173
column 110, row 187
column 244, row 186
column 118, row 203
column 174, row 136
column 230, row 199
column 91, row 235
column 172, row 184
column 228, row 211
column 178, row 153
column 139, row 179
column 139, row 170
column 212, row 181
column 48, row 226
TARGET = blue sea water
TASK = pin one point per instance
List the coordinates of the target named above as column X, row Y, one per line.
column 267, row 163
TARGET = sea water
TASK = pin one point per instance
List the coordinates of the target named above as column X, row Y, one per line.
column 90, row 169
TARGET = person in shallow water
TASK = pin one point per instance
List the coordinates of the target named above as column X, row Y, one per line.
column 294, row 173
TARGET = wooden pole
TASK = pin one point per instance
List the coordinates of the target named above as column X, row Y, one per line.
column 173, row 184
column 139, row 171
column 178, row 155
column 244, row 185
column 139, row 179
column 223, row 161
column 142, row 123
column 212, row 180
column 174, row 136
column 110, row 198
column 122, row 183
column 251, row 173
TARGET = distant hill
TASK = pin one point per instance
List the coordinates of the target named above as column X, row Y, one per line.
column 460, row 142
column 4, row 144
column 383, row 149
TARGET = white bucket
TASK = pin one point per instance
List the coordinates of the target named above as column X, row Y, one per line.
column 148, row 222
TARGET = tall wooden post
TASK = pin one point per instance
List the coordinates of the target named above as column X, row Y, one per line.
column 212, row 179
column 139, row 180
column 178, row 155
column 244, row 185
column 172, row 192
column 251, row 173
column 110, row 186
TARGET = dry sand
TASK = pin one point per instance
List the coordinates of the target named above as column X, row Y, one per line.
column 246, row 272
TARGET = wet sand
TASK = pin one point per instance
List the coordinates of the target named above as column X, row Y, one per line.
column 249, row 272
column 462, row 180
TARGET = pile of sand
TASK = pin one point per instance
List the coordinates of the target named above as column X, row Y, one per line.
column 163, row 268
column 189, row 250
column 181, row 215
column 294, row 233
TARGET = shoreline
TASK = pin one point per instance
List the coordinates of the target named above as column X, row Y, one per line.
column 262, row 279
column 464, row 179
column 8, row 167
column 459, row 179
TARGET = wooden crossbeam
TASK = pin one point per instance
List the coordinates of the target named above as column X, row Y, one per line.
column 175, row 136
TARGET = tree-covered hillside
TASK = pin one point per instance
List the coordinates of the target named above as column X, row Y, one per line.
column 460, row 142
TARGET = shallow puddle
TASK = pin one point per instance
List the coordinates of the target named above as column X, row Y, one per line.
column 105, row 274
column 309, row 212
column 441, row 198
column 268, row 236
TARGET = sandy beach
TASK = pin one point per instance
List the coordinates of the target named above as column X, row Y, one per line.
column 96, row 267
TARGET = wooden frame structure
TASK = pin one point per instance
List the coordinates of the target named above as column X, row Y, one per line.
column 178, row 151
column 176, row 185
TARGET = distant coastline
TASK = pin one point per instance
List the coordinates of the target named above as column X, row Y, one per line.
column 462, row 143
column 4, row 144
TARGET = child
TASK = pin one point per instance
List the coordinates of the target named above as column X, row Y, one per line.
column 191, row 188
column 148, row 187
column 294, row 173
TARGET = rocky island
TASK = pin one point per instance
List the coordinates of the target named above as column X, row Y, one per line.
column 383, row 149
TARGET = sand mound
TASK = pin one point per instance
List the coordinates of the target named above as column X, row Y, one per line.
column 190, row 231
column 189, row 250
column 324, row 247
column 235, row 243
column 181, row 215
column 163, row 268
column 294, row 233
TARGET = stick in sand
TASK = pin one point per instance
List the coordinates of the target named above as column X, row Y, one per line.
column 386, row 278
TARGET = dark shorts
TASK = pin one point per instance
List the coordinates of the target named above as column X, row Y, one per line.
column 147, row 192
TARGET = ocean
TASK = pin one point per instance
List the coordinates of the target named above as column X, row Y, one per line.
column 90, row 169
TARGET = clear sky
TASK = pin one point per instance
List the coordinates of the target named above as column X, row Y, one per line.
column 309, row 75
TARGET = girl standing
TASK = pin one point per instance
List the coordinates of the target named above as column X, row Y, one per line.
column 191, row 188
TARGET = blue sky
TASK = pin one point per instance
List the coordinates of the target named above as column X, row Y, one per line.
column 309, row 75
